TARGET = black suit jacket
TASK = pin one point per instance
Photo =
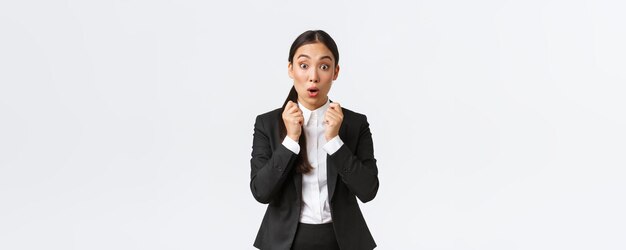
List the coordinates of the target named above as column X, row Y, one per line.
column 352, row 173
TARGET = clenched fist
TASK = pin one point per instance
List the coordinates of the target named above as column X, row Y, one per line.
column 293, row 119
column 332, row 120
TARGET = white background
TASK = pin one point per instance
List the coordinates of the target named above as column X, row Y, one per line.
column 128, row 124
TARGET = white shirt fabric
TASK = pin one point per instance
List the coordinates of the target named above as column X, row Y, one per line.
column 316, row 207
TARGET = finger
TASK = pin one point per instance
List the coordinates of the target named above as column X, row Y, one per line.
column 331, row 113
column 335, row 113
column 292, row 111
column 297, row 108
column 293, row 120
column 331, row 110
column 293, row 108
column 287, row 109
column 291, row 105
column 335, row 109
column 330, row 117
column 335, row 105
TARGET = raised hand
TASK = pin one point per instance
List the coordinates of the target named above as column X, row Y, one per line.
column 293, row 119
column 332, row 120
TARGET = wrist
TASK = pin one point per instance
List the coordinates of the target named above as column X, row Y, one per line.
column 330, row 137
column 294, row 137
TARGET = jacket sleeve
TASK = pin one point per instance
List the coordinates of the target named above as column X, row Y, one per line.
column 268, row 169
column 358, row 169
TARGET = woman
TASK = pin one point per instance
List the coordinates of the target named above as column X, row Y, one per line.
column 311, row 159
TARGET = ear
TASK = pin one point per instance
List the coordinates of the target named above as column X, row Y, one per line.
column 336, row 72
column 290, row 70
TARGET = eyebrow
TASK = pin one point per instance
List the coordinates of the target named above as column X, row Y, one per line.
column 323, row 57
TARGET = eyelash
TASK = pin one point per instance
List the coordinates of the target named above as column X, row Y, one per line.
column 323, row 66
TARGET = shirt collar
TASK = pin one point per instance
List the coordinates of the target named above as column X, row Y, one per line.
column 319, row 111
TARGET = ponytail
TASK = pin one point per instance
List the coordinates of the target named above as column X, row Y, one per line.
column 302, row 162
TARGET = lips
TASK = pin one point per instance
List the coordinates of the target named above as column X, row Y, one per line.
column 313, row 91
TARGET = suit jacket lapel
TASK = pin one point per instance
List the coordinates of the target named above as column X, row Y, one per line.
column 297, row 179
column 331, row 170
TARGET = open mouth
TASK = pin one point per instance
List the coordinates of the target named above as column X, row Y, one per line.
column 313, row 91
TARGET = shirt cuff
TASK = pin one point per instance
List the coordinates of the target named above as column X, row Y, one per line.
column 333, row 145
column 291, row 145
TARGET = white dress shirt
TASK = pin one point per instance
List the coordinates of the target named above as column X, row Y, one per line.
column 316, row 207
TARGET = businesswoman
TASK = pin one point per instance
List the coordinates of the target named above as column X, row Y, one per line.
column 312, row 158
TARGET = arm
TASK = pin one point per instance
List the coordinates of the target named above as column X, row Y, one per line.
column 268, row 169
column 358, row 169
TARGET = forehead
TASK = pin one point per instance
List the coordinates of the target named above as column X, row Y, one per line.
column 314, row 50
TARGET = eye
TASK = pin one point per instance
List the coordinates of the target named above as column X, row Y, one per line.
column 324, row 67
column 304, row 66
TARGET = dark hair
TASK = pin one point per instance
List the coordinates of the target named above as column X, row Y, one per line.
column 308, row 37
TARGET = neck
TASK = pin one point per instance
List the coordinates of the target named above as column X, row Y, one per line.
column 313, row 106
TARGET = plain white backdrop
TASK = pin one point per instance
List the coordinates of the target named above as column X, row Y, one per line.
column 128, row 124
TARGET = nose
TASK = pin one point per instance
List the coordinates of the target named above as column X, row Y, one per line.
column 314, row 76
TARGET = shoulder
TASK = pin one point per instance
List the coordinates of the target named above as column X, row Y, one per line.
column 352, row 116
column 270, row 114
column 268, row 117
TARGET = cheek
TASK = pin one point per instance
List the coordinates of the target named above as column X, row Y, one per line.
column 327, row 89
column 300, row 75
column 328, row 78
column 300, row 82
